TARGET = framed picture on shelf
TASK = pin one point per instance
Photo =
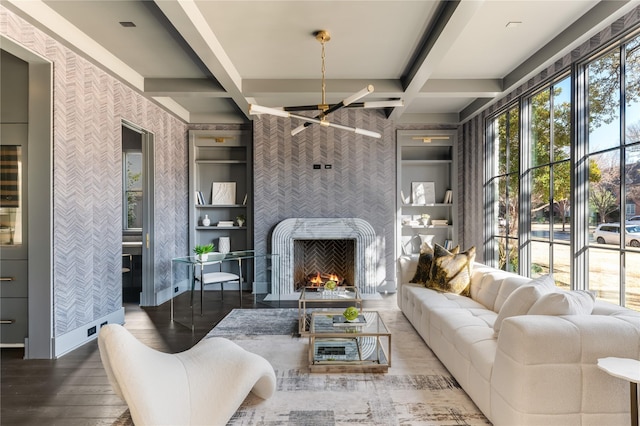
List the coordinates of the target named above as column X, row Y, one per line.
column 223, row 193
column 423, row 192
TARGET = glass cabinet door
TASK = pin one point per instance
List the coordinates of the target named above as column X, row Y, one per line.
column 11, row 198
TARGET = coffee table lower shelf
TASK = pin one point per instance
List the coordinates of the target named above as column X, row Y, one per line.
column 348, row 355
column 337, row 347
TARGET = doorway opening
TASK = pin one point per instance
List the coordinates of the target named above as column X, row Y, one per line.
column 132, row 195
column 137, row 214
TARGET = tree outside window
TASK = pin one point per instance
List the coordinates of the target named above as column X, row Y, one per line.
column 133, row 189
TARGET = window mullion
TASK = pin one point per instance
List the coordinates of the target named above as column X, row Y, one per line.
column 526, row 187
column 579, row 179
column 491, row 161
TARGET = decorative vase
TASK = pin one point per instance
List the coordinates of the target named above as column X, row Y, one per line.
column 224, row 245
column 203, row 257
column 240, row 222
column 206, row 221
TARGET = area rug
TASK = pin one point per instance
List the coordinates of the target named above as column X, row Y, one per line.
column 417, row 390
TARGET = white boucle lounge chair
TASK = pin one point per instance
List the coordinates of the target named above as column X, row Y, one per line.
column 203, row 385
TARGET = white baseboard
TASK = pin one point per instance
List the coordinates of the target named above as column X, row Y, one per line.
column 69, row 341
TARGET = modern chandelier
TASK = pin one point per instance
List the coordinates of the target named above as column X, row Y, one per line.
column 325, row 109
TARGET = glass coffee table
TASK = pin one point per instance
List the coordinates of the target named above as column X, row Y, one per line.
column 318, row 297
column 338, row 346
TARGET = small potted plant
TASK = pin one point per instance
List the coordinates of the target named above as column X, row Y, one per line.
column 240, row 219
column 202, row 252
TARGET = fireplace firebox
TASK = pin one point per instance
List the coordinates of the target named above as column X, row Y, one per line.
column 317, row 261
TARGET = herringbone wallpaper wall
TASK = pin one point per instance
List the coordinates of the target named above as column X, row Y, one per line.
column 89, row 106
column 360, row 182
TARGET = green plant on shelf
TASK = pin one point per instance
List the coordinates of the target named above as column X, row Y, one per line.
column 203, row 249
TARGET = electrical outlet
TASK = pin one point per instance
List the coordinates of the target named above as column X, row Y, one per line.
column 328, row 166
column 175, row 290
column 316, row 167
column 91, row 331
column 103, row 324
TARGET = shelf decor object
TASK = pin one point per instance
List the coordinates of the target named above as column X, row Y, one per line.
column 325, row 109
column 423, row 192
column 223, row 193
column 224, row 244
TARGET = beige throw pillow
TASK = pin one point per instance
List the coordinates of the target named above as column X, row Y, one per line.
column 451, row 272
column 522, row 299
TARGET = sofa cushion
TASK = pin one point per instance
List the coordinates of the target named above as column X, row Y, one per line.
column 522, row 299
column 407, row 266
column 508, row 286
column 486, row 289
column 425, row 262
column 578, row 302
column 451, row 272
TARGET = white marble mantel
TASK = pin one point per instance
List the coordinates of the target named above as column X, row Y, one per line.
column 289, row 230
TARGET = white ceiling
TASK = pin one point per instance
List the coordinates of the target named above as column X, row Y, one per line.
column 206, row 60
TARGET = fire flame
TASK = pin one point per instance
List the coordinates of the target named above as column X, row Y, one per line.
column 317, row 280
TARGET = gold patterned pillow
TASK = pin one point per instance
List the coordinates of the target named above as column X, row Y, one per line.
column 451, row 272
column 425, row 262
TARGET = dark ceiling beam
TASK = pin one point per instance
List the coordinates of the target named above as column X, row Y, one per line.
column 572, row 37
column 187, row 19
column 577, row 33
column 448, row 23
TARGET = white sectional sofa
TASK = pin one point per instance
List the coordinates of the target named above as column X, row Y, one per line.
column 538, row 369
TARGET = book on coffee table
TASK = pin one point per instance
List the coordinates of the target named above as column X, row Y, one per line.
column 341, row 321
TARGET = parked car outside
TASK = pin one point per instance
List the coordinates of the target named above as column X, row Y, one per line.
column 634, row 219
column 609, row 233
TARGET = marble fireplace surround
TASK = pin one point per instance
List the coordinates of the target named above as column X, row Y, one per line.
column 289, row 230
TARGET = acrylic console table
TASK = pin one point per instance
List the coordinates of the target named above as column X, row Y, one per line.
column 187, row 273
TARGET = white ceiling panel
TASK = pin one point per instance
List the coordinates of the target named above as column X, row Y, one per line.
column 213, row 58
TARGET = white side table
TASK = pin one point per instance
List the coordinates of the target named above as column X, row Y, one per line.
column 627, row 369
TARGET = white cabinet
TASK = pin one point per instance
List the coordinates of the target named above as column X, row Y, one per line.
column 426, row 189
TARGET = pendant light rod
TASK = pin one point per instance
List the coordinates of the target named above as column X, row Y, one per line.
column 323, row 36
column 259, row 109
column 371, row 104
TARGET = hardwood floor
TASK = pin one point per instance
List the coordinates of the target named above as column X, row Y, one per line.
column 73, row 390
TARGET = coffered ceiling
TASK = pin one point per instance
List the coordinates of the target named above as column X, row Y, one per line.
column 207, row 60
